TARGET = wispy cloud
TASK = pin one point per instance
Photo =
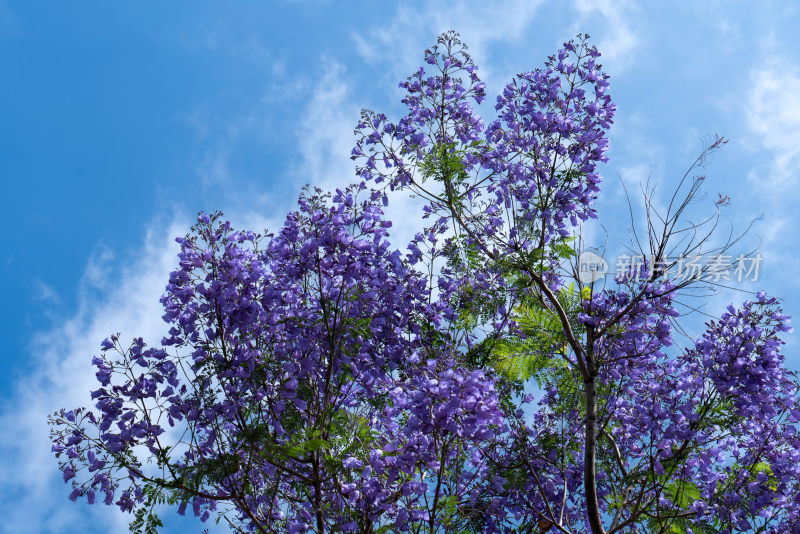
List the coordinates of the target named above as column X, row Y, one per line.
column 325, row 135
column 46, row 293
column 411, row 30
column 127, row 301
column 619, row 40
column 325, row 139
column 219, row 134
column 773, row 116
column 773, row 121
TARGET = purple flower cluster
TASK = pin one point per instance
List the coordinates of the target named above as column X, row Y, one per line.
column 717, row 418
column 528, row 176
column 293, row 361
column 515, row 188
column 705, row 439
column 741, row 354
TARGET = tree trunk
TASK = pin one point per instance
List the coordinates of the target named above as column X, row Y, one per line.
column 590, row 450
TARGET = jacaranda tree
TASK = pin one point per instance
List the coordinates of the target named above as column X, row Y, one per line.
column 317, row 380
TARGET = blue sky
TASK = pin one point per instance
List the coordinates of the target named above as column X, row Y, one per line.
column 121, row 120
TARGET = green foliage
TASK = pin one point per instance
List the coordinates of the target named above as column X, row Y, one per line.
column 448, row 509
column 682, row 493
column 445, row 162
column 145, row 520
column 764, row 467
column 538, row 353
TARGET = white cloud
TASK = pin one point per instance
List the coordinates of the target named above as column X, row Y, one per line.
column 97, row 272
column 62, row 376
column 773, row 122
column 618, row 40
column 326, row 132
column 46, row 293
column 214, row 168
column 773, row 116
column 411, row 30
column 221, row 138
column 399, row 43
column 325, row 140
